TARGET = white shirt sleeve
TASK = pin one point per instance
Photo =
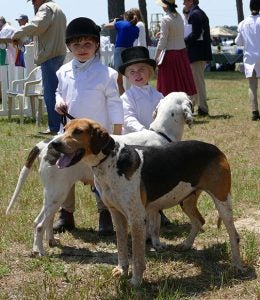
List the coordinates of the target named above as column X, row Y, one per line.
column 141, row 40
column 239, row 38
column 131, row 122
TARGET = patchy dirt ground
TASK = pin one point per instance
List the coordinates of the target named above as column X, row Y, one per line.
column 251, row 223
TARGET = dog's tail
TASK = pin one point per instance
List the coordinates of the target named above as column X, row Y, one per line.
column 34, row 153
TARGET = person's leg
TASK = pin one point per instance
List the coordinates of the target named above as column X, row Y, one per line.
column 120, row 84
column 105, row 224
column 50, row 83
column 252, row 92
column 198, row 68
column 65, row 219
column 117, row 61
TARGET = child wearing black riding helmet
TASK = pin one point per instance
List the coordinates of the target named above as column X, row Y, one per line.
column 87, row 89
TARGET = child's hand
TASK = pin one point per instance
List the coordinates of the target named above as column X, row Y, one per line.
column 117, row 129
column 61, row 108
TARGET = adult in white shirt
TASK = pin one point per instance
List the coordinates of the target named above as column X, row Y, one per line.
column 141, row 40
column 248, row 36
column 6, row 32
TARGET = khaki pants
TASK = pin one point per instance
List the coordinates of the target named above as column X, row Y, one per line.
column 198, row 68
column 252, row 91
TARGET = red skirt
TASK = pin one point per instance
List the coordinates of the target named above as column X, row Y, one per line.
column 174, row 74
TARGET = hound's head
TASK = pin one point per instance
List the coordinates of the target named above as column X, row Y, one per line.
column 172, row 113
column 81, row 137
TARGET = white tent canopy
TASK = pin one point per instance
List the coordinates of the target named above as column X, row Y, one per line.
column 221, row 31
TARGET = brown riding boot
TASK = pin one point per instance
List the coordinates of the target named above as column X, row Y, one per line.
column 105, row 223
column 64, row 222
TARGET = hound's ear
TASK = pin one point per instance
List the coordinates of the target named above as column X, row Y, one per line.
column 187, row 112
column 156, row 110
column 99, row 139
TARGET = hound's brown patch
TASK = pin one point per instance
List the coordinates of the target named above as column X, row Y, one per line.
column 31, row 157
column 217, row 178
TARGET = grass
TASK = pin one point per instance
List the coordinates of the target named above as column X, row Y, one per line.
column 80, row 268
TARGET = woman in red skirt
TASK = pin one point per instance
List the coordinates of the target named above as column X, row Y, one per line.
column 174, row 71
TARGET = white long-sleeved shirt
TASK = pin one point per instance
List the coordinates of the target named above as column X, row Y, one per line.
column 139, row 104
column 249, row 37
column 141, row 40
column 90, row 91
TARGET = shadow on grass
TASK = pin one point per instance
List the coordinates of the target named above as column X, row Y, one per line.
column 174, row 230
column 213, row 271
column 210, row 268
column 91, row 236
column 197, row 120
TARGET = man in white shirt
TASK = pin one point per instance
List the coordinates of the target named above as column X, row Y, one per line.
column 248, row 36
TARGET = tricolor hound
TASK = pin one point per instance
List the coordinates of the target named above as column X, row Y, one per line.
column 135, row 182
column 172, row 113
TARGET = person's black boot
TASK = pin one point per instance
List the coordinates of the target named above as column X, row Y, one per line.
column 64, row 222
column 255, row 115
column 164, row 220
column 202, row 113
column 105, row 223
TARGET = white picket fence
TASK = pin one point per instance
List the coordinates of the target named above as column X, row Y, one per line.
column 10, row 72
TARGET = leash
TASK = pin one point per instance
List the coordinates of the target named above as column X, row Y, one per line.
column 162, row 134
column 65, row 116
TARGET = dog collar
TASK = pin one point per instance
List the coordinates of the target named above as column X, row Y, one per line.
column 162, row 134
column 106, row 150
column 101, row 161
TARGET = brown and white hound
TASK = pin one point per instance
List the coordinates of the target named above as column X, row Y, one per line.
column 135, row 182
column 172, row 113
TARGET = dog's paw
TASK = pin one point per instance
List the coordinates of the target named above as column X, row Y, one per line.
column 135, row 282
column 159, row 246
column 37, row 253
column 53, row 242
column 238, row 269
column 118, row 271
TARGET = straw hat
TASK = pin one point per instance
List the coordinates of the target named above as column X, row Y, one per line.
column 164, row 3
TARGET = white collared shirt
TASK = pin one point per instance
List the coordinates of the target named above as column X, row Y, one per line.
column 90, row 91
column 249, row 37
column 139, row 104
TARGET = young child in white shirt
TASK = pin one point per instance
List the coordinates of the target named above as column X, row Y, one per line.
column 87, row 89
column 141, row 99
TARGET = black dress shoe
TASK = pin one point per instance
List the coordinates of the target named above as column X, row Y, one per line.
column 64, row 222
column 255, row 115
column 48, row 132
column 105, row 223
column 202, row 113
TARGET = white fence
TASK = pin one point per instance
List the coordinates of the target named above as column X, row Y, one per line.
column 10, row 72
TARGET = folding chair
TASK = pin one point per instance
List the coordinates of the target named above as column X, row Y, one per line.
column 24, row 89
